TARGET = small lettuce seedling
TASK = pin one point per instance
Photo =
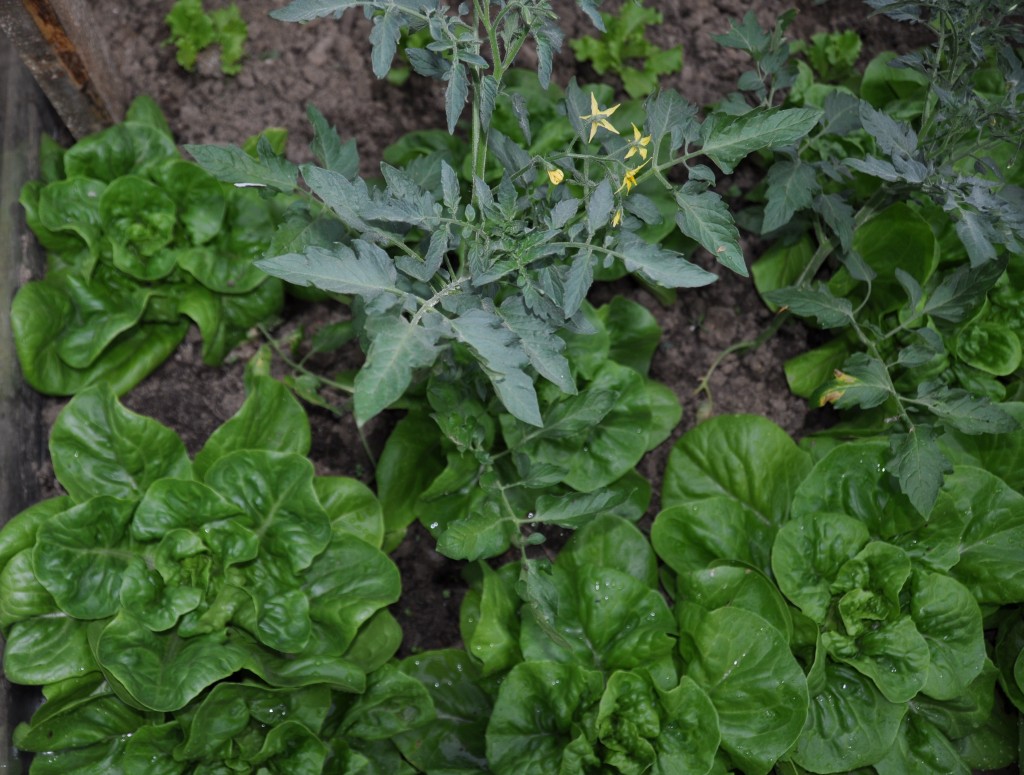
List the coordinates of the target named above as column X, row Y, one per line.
column 624, row 50
column 193, row 30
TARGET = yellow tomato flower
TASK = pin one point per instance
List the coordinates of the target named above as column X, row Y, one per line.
column 617, row 218
column 629, row 179
column 599, row 118
column 638, row 145
column 556, row 176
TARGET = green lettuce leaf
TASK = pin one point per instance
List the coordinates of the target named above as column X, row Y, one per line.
column 850, row 723
column 455, row 741
column 538, row 715
column 747, row 459
column 163, row 671
column 100, row 448
column 758, row 689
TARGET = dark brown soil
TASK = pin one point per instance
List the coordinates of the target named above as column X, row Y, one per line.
column 327, row 63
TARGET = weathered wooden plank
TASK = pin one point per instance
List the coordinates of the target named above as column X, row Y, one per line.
column 25, row 114
column 66, row 52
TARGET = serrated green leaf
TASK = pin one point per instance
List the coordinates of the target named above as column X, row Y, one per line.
column 232, row 33
column 397, row 348
column 339, row 269
column 817, row 302
column 576, row 509
column 485, row 533
column 703, row 216
column 570, row 417
column 346, row 199
column 563, row 212
column 961, row 291
column 863, row 381
column 328, row 149
column 911, row 286
column 976, row 235
column 522, row 114
column 503, row 358
column 878, row 168
column 967, row 413
column 233, row 165
column 542, row 346
column 927, row 347
column 456, row 94
column 669, row 115
column 450, row 192
column 745, row 35
column 894, row 138
column 661, row 266
column 791, row 187
column 664, row 62
column 919, row 465
column 489, row 90
column 599, row 206
column 387, row 29
column 842, row 113
column 548, row 38
column 728, row 141
column 307, row 10
column 838, row 216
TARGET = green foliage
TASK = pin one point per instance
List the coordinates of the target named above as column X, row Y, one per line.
column 193, row 30
column 882, row 608
column 588, row 681
column 623, row 50
column 212, row 611
column 488, row 478
column 482, row 279
column 853, row 639
column 138, row 242
column 829, row 59
column 816, row 608
column 909, row 184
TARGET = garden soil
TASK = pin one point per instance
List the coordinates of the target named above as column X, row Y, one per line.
column 327, row 63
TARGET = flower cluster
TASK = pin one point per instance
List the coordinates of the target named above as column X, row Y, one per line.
column 598, row 118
